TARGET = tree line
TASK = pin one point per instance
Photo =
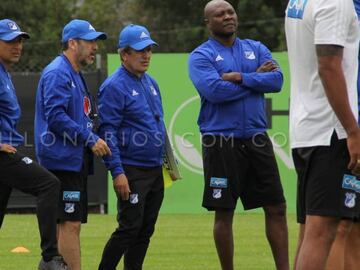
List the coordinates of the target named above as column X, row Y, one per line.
column 176, row 25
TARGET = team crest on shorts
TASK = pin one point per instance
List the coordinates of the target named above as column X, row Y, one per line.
column 350, row 199
column 217, row 193
column 134, row 198
column 27, row 160
column 69, row 208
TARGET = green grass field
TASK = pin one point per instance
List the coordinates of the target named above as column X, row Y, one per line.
column 180, row 242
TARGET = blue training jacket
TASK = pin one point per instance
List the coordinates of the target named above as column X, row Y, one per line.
column 131, row 121
column 228, row 108
column 63, row 127
column 9, row 110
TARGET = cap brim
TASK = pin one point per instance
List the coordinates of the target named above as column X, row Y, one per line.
column 13, row 35
column 143, row 44
column 94, row 35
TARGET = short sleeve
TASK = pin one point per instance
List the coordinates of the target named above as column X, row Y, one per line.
column 332, row 21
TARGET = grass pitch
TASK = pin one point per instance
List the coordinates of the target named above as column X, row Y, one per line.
column 180, row 242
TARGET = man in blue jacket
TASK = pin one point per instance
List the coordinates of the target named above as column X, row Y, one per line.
column 131, row 121
column 17, row 170
column 64, row 138
column 232, row 76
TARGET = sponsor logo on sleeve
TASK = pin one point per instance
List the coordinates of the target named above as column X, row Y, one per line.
column 296, row 9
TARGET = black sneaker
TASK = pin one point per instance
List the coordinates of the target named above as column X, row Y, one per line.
column 56, row 263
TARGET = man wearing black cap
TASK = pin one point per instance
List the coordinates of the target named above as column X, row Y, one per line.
column 64, row 138
column 19, row 171
column 131, row 121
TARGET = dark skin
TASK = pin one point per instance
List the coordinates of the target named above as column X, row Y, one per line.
column 222, row 22
column 332, row 77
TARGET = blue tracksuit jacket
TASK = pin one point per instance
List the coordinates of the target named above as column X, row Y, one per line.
column 9, row 110
column 131, row 121
column 62, row 117
column 227, row 108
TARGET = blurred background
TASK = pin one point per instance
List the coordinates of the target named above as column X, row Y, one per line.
column 176, row 25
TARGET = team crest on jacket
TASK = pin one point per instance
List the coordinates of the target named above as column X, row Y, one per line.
column 153, row 91
column 350, row 199
column 87, row 106
column 249, row 55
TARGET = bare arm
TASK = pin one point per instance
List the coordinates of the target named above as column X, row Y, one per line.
column 333, row 80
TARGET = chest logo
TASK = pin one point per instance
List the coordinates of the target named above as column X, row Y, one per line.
column 153, row 90
column 134, row 93
column 219, row 58
column 87, row 106
column 249, row 55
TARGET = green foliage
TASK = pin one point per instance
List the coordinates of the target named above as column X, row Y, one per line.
column 262, row 20
column 176, row 25
column 43, row 20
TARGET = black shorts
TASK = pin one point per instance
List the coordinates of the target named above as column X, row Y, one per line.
column 73, row 201
column 244, row 168
column 325, row 185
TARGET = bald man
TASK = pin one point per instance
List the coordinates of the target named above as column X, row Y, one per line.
column 231, row 76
